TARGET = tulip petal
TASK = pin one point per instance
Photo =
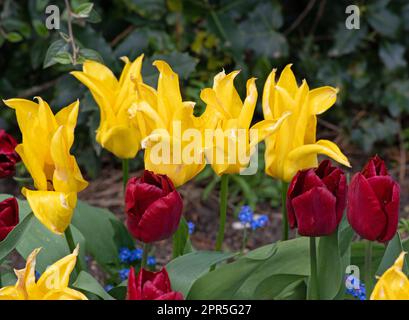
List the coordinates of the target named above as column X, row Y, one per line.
column 388, row 194
column 64, row 294
column 101, row 73
column 321, row 99
column 53, row 209
column 57, row 276
column 160, row 220
column 365, row 213
column 268, row 96
column 265, row 128
column 122, row 141
column 393, row 284
column 287, row 81
column 246, row 113
column 315, row 212
column 305, row 157
column 223, row 85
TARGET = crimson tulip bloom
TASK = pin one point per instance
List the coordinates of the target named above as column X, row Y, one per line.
column 316, row 200
column 153, row 207
column 151, row 286
column 8, row 155
column 8, row 216
column 373, row 202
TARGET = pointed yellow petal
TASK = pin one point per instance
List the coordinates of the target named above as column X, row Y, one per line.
column 321, row 99
column 57, row 276
column 268, row 95
column 100, row 72
column 305, row 157
column 227, row 93
column 265, row 128
column 53, row 209
column 169, row 96
column 209, row 96
column 67, row 176
column 287, row 81
column 393, row 284
column 246, row 113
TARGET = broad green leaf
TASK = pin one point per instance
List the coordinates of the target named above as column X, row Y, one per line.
column 83, row 10
column 392, row 252
column 184, row 270
column 243, row 278
column 55, row 48
column 89, row 54
column 96, row 226
column 330, row 273
column 88, row 283
column 347, row 41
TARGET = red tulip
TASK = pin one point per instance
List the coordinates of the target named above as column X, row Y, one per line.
column 8, row 216
column 151, row 286
column 153, row 207
column 316, row 200
column 373, row 202
column 8, row 155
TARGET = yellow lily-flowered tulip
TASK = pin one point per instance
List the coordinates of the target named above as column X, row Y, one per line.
column 234, row 141
column 117, row 132
column 165, row 120
column 45, row 151
column 393, row 284
column 52, row 285
column 294, row 146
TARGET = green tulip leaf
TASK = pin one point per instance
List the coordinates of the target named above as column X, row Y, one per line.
column 244, row 278
column 392, row 252
column 184, row 270
column 88, row 283
column 330, row 273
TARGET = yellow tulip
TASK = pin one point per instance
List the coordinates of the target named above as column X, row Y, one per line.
column 117, row 132
column 52, row 285
column 233, row 139
column 393, row 284
column 294, row 146
column 45, row 151
column 165, row 120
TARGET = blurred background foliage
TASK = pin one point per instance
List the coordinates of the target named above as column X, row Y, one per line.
column 199, row 38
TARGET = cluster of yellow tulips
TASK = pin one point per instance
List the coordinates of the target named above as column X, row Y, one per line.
column 135, row 115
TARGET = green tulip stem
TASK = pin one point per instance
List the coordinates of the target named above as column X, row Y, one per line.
column 224, row 189
column 368, row 267
column 145, row 254
column 125, row 171
column 284, row 188
column 71, row 245
column 313, row 285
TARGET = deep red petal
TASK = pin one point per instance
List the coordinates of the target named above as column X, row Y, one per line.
column 365, row 213
column 315, row 212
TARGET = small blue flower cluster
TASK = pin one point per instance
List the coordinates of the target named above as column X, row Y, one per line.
column 123, row 274
column 246, row 217
column 356, row 293
column 128, row 256
column 191, row 227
